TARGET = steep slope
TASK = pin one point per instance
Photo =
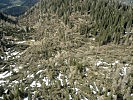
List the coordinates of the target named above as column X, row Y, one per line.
column 16, row 7
column 112, row 20
column 7, row 18
column 5, row 1
column 63, row 60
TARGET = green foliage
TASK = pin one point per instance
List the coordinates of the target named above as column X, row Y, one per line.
column 111, row 18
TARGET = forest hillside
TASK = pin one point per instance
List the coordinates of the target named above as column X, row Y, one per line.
column 68, row 50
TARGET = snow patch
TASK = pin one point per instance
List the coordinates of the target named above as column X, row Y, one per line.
column 87, row 69
column 20, row 67
column 20, row 42
column 126, row 65
column 32, row 40
column 1, row 98
column 16, row 82
column 26, row 98
column 91, row 87
column 5, row 74
column 108, row 94
column 94, row 92
column 31, row 76
column 96, row 87
column 123, row 71
column 38, row 65
column 46, row 80
column 76, row 90
column 70, row 97
column 34, row 83
column 2, row 82
column 85, row 98
column 93, row 39
column 16, row 70
column 101, row 63
column 26, row 88
column 39, row 71
column 10, row 54
column 6, row 91
column 59, row 77
column 14, row 53
column 103, row 89
column 66, row 61
column 116, row 62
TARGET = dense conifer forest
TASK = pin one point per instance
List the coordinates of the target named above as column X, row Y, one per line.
column 68, row 50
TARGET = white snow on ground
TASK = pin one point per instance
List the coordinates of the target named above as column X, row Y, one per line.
column 76, row 90
column 70, row 97
column 116, row 62
column 101, row 63
column 5, row 74
column 38, row 65
column 103, row 89
column 31, row 76
column 2, row 82
column 14, row 53
column 46, row 80
column 87, row 69
column 7, row 53
column 35, row 84
column 16, row 70
column 21, row 53
column 96, row 87
column 66, row 61
column 124, row 71
column 39, row 71
column 32, row 40
column 126, row 65
column 6, row 91
column 26, row 88
column 7, row 57
column 20, row 42
column 3, row 67
column 66, row 79
column 10, row 54
column 16, row 82
column 1, row 98
column 12, row 65
column 93, row 89
column 59, row 77
column 1, row 57
column 85, row 98
column 94, row 92
column 108, row 94
column 20, row 67
column 26, row 98
column 93, row 39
